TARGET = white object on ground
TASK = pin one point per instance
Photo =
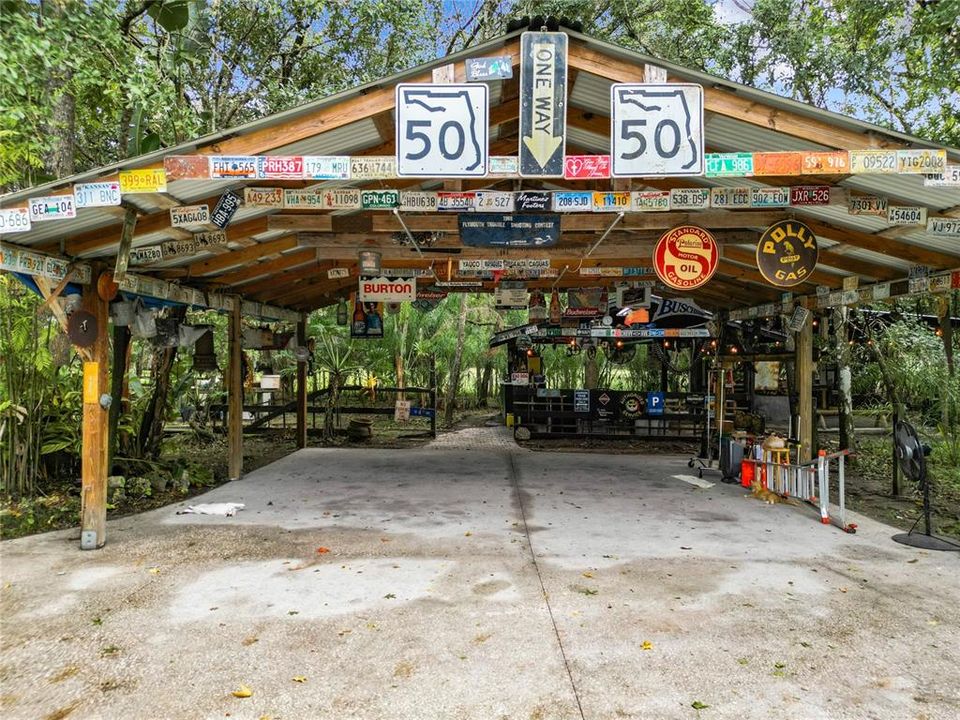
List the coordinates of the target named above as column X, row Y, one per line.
column 225, row 509
column 699, row 482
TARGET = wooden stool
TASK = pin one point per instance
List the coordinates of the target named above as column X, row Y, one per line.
column 777, row 456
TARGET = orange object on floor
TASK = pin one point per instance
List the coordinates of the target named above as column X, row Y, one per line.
column 746, row 473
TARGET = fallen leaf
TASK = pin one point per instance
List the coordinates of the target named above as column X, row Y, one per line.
column 389, row 596
column 293, row 612
column 697, row 705
column 299, row 678
column 914, row 560
column 647, row 645
column 743, row 661
column 322, row 550
column 242, row 691
column 843, row 590
column 467, row 533
column 250, row 640
column 154, row 571
column 588, row 574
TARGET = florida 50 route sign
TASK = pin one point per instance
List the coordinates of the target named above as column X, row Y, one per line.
column 656, row 130
column 442, row 130
column 686, row 257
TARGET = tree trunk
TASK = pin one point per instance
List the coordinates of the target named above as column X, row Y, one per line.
column 848, row 439
column 485, row 377
column 151, row 428
column 59, row 159
column 454, row 387
column 398, row 362
column 590, row 371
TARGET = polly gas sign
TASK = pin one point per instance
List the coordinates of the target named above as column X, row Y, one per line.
column 787, row 253
column 686, row 257
column 389, row 290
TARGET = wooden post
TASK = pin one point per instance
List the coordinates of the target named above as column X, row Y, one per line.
column 235, row 396
column 302, row 385
column 804, row 381
column 96, row 441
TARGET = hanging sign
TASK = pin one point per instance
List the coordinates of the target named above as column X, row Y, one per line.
column 902, row 215
column 586, row 167
column 302, row 199
column 263, row 197
column 379, row 199
column 384, row 289
column 690, row 198
column 584, row 302
column 455, row 201
column 944, row 227
column 543, row 103
column 493, row 201
column 187, row 167
column 825, row 163
column 510, row 298
column 503, row 166
column 338, row 273
column 873, row 161
column 532, row 201
column 489, row 68
column 401, row 410
column 729, row 164
column 14, row 220
column 730, row 197
column 769, row 197
column 686, row 257
column 867, row 205
column 776, row 163
column 787, row 253
column 226, row 208
column 233, row 167
column 574, row 201
column 810, row 195
column 940, row 283
column 487, row 230
column 418, row 201
column 657, row 130
column 53, row 207
column 442, row 130
column 143, row 181
column 611, row 201
column 326, row 167
column 100, row 194
column 340, row 199
column 650, row 200
column 188, row 215
column 921, row 161
column 373, row 167
column 280, row 167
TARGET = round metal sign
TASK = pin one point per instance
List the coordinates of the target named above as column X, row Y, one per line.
column 82, row 328
column 686, row 257
column 787, row 253
column 107, row 289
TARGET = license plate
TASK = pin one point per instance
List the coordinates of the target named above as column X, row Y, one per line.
column 611, row 201
column 232, row 167
column 299, row 199
column 146, row 255
column 379, row 199
column 825, row 163
column 921, row 161
column 946, row 227
column 690, row 198
column 810, row 195
column 280, row 167
column 586, row 167
column 873, row 161
column 726, row 164
column 263, row 197
column 736, row 197
column 867, row 205
column 777, row 163
column 54, row 207
column 770, row 197
column 455, row 201
column 189, row 215
column 950, row 177
column 417, row 201
column 506, row 166
column 581, row 201
column 650, row 201
column 143, row 181
column 495, row 201
column 340, row 199
column 326, row 167
column 13, row 220
column 103, row 194
column 902, row 215
column 373, row 167
column 214, row 238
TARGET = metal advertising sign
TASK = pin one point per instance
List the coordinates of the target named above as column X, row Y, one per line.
column 489, row 68
column 771, row 197
column 280, row 167
column 611, row 201
column 53, row 207
column 657, row 130
column 486, row 230
column 100, row 194
column 373, row 167
column 187, row 167
column 532, row 201
column 442, row 130
column 418, row 201
column 729, row 164
column 810, row 195
column 379, row 199
column 455, row 201
column 776, row 163
column 787, row 253
column 384, row 289
column 493, row 201
column 189, row 215
column 921, row 161
column 302, row 198
column 226, row 208
column 583, row 302
column 730, row 197
column 650, row 200
column 825, row 163
column 263, row 197
column 14, row 220
column 543, row 103
column 944, row 227
column 143, row 181
column 902, row 215
column 340, row 199
column 867, row 205
column 503, row 166
column 326, row 167
column 686, row 257
column 573, row 201
column 586, row 167
column 873, row 161
column 233, row 167
column 690, row 198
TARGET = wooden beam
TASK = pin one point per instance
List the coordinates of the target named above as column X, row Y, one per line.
column 804, row 380
column 95, row 447
column 240, row 257
column 749, row 257
column 302, row 386
column 882, row 245
column 268, row 267
column 235, row 394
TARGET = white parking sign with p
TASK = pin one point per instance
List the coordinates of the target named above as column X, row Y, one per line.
column 656, row 130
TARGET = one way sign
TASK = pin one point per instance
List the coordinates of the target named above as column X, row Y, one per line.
column 543, row 103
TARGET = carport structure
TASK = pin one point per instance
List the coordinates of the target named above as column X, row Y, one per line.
column 275, row 262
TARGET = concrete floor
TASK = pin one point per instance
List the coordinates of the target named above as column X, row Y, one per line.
column 482, row 582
